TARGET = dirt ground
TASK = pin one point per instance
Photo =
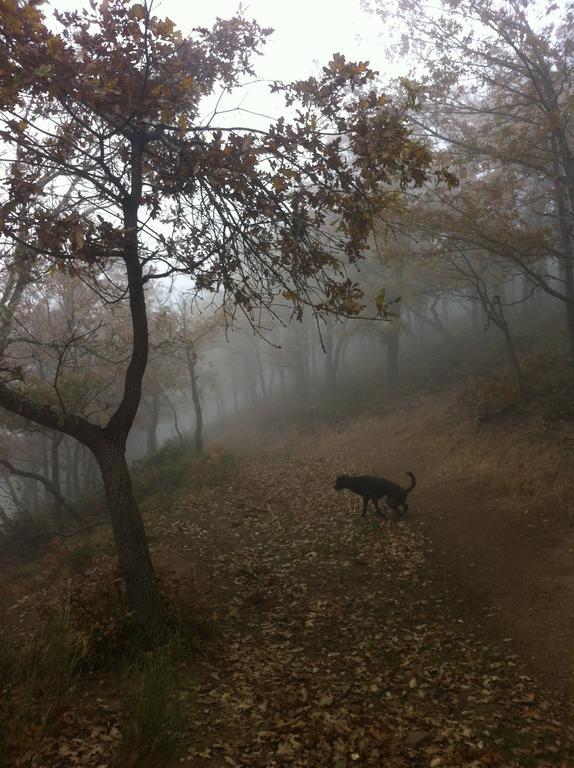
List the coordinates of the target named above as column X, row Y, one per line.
column 494, row 503
column 444, row 640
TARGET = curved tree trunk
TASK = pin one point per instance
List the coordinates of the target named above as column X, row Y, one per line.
column 173, row 410
column 129, row 534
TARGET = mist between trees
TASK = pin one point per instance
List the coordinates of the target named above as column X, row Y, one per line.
column 164, row 274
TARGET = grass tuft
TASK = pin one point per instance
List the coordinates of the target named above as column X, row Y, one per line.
column 154, row 717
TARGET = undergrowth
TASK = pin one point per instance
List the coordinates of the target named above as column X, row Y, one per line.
column 154, row 710
column 547, row 390
column 80, row 628
column 35, row 675
column 89, row 632
column 177, row 467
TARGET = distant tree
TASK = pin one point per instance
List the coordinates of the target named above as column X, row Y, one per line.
column 492, row 85
column 110, row 104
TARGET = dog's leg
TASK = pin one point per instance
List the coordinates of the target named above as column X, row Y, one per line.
column 399, row 510
column 378, row 508
column 365, row 505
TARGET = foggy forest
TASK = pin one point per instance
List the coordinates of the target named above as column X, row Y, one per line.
column 286, row 387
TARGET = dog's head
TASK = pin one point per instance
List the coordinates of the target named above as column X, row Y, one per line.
column 341, row 482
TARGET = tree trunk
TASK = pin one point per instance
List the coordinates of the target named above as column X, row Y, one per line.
column 496, row 312
column 192, row 367
column 129, row 534
column 173, row 410
column 519, row 378
column 154, row 421
column 5, row 520
column 45, row 465
column 75, row 471
column 392, row 367
column 108, row 443
column 260, row 372
column 56, row 439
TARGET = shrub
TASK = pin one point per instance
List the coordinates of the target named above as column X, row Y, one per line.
column 491, row 396
column 177, row 466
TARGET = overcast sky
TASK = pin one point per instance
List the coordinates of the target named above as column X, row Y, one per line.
column 307, row 32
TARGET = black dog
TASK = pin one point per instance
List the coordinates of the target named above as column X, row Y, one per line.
column 375, row 488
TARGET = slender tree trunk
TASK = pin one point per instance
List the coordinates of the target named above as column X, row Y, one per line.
column 68, row 452
column 16, row 498
column 334, row 348
column 235, row 394
column 433, row 322
column 45, row 465
column 282, row 383
column 220, row 403
column 518, row 376
column 75, row 471
column 129, row 533
column 497, row 314
column 392, row 339
column 191, row 358
column 56, row 439
column 173, row 410
column 565, row 223
column 260, row 372
column 154, row 411
column 392, row 366
column 5, row 520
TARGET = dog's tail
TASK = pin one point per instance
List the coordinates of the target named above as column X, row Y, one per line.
column 413, row 482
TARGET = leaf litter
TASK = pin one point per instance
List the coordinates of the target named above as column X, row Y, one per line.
column 332, row 646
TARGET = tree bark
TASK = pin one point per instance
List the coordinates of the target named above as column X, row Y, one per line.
column 129, row 533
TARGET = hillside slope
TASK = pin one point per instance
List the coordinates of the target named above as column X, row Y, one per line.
column 494, row 501
column 442, row 640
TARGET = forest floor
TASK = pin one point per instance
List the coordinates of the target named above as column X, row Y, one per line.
column 493, row 501
column 446, row 639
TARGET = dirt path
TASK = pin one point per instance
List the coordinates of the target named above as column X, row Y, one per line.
column 335, row 647
column 335, row 640
column 494, row 504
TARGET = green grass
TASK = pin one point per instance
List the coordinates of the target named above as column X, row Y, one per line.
column 154, row 718
column 177, row 467
column 34, row 679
